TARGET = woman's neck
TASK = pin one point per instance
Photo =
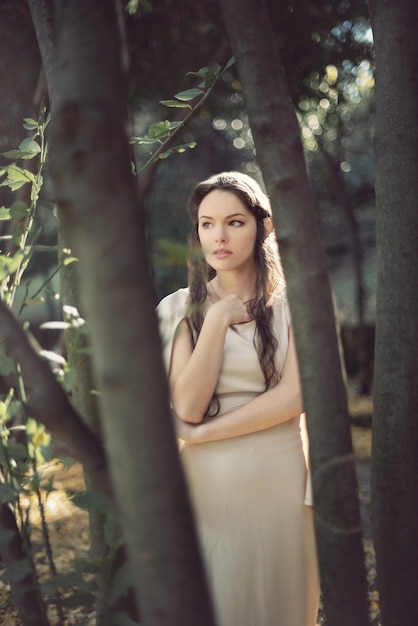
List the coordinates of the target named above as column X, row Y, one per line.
column 225, row 284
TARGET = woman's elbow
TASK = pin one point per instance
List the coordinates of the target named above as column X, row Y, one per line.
column 187, row 414
column 295, row 399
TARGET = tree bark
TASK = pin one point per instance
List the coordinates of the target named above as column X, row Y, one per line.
column 42, row 12
column 48, row 402
column 90, row 164
column 26, row 594
column 395, row 424
column 280, row 155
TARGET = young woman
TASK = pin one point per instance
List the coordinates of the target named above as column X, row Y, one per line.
column 236, row 398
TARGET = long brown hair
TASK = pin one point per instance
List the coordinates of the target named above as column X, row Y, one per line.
column 269, row 275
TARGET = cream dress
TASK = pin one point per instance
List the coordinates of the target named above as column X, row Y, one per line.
column 250, row 494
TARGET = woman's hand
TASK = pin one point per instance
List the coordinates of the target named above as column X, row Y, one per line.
column 231, row 309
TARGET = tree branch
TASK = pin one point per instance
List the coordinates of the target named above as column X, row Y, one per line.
column 49, row 404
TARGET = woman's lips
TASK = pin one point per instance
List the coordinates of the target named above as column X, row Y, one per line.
column 222, row 254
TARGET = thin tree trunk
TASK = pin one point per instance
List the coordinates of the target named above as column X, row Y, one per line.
column 280, row 156
column 26, row 594
column 48, row 403
column 93, row 184
column 344, row 198
column 395, row 423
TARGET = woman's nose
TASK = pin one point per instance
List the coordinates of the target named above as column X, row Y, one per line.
column 220, row 235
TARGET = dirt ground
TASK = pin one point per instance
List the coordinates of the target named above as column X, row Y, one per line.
column 69, row 532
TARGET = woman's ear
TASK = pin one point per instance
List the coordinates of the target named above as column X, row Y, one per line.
column 268, row 226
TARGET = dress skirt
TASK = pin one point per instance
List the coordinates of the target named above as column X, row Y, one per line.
column 256, row 532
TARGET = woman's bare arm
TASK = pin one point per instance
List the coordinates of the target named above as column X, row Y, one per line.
column 279, row 404
column 194, row 373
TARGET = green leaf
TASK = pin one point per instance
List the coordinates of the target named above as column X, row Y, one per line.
column 38, row 300
column 3, row 412
column 90, row 501
column 17, row 177
column 68, row 462
column 30, row 124
column 8, row 265
column 17, row 451
column 178, row 149
column 14, row 409
column 19, row 154
column 68, row 381
column 28, row 148
column 18, row 230
column 52, row 357
column 19, row 209
column 5, row 213
column 55, row 325
column 143, row 140
column 175, row 104
column 156, row 132
column 209, row 74
column 159, row 130
column 189, row 94
column 230, row 63
column 69, row 260
column 30, row 144
column 7, row 493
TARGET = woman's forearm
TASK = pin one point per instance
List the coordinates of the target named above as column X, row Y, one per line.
column 266, row 410
column 195, row 372
column 193, row 388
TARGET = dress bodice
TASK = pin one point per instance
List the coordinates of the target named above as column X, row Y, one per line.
column 241, row 377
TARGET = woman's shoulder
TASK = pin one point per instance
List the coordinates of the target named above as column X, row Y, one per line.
column 173, row 302
column 171, row 310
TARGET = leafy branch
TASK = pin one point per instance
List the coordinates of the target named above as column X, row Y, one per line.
column 23, row 216
column 164, row 132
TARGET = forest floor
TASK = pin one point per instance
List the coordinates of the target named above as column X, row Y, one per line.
column 69, row 531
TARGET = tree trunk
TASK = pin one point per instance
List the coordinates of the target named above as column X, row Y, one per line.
column 344, row 198
column 280, row 156
column 395, row 424
column 42, row 12
column 26, row 594
column 90, row 165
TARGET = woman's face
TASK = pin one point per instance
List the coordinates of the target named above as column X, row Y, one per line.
column 227, row 231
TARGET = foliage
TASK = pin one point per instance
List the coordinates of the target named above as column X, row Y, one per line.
column 164, row 132
column 24, row 444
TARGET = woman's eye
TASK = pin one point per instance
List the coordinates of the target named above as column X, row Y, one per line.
column 205, row 225
column 236, row 223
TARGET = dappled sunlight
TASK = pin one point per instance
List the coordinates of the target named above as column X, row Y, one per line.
column 57, row 503
column 68, row 529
